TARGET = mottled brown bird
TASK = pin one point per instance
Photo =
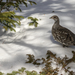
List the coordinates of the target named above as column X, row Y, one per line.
column 62, row 34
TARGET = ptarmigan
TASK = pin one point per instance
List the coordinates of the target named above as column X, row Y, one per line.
column 62, row 34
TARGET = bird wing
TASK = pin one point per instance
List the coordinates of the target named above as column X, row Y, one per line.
column 65, row 34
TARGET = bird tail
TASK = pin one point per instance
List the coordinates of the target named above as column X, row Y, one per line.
column 74, row 44
column 74, row 40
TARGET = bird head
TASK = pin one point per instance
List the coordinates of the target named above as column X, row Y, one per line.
column 54, row 17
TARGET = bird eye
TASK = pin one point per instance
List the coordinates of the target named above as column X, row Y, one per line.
column 54, row 17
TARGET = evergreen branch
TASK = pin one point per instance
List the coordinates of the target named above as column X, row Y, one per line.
column 34, row 21
column 5, row 5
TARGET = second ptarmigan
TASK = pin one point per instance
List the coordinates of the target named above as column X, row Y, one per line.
column 62, row 34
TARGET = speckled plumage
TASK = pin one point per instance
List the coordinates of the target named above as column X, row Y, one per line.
column 62, row 34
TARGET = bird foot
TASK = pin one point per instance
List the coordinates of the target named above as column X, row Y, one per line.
column 65, row 46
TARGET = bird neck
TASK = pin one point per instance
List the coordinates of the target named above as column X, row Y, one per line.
column 56, row 24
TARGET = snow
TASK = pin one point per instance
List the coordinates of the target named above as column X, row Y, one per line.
column 31, row 40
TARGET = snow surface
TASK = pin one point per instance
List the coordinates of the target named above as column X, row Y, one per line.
column 30, row 40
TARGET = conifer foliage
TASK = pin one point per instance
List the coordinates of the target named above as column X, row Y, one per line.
column 34, row 21
column 8, row 18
